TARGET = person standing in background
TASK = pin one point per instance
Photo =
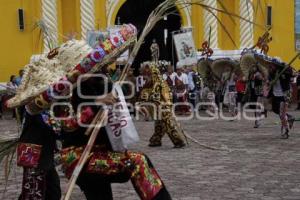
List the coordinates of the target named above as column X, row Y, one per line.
column 240, row 89
column 19, row 78
column 168, row 76
column 191, row 86
column 12, row 86
column 181, row 88
column 298, row 90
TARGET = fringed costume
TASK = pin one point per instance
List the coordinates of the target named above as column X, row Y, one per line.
column 157, row 91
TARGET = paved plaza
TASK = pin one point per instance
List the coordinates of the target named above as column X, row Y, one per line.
column 259, row 164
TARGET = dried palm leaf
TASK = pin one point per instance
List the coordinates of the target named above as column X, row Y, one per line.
column 203, row 67
column 249, row 62
column 225, row 9
column 7, row 146
column 46, row 32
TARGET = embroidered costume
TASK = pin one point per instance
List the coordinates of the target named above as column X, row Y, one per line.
column 50, row 80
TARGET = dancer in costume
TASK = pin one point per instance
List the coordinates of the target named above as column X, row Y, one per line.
column 256, row 75
column 279, row 88
column 156, row 91
column 279, row 94
column 256, row 84
column 37, row 143
column 106, row 166
column 65, row 65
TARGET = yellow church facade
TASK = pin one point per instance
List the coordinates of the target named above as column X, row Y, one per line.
column 73, row 18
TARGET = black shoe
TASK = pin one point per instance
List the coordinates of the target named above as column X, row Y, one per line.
column 154, row 145
column 178, row 146
column 266, row 113
column 291, row 122
column 285, row 135
column 257, row 124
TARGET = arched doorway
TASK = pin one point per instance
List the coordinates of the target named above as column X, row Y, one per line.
column 137, row 12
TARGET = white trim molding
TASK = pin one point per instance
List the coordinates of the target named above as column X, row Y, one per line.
column 49, row 17
column 87, row 14
column 211, row 24
column 246, row 28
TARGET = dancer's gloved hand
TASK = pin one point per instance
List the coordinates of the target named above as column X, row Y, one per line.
column 109, row 99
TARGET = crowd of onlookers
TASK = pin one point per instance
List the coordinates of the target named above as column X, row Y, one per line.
column 188, row 86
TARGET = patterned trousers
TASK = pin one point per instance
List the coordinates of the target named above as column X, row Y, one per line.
column 167, row 125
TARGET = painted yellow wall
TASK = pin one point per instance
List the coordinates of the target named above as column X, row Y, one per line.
column 283, row 44
column 231, row 24
column 100, row 12
column 17, row 46
column 70, row 19
column 197, row 23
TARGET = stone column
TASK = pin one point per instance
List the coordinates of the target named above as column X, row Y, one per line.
column 246, row 28
column 211, row 24
column 87, row 12
column 49, row 17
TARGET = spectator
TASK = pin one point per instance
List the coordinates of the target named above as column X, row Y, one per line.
column 240, row 89
column 191, row 86
column 298, row 90
column 1, row 104
column 12, row 86
column 19, row 78
column 181, row 90
column 168, row 76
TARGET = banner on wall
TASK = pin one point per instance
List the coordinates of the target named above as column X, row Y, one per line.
column 297, row 24
column 185, row 48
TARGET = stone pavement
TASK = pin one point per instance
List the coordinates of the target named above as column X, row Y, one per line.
column 259, row 165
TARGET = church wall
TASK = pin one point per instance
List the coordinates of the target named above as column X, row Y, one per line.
column 18, row 46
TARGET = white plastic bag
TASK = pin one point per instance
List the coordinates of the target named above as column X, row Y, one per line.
column 120, row 127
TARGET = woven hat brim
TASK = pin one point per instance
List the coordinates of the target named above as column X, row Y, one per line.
column 17, row 100
column 219, row 66
column 203, row 67
column 247, row 62
column 266, row 62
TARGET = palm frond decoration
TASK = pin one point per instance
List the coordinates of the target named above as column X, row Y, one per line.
column 45, row 32
column 8, row 165
column 7, row 146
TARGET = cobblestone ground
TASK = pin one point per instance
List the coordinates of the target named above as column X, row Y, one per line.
column 259, row 165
